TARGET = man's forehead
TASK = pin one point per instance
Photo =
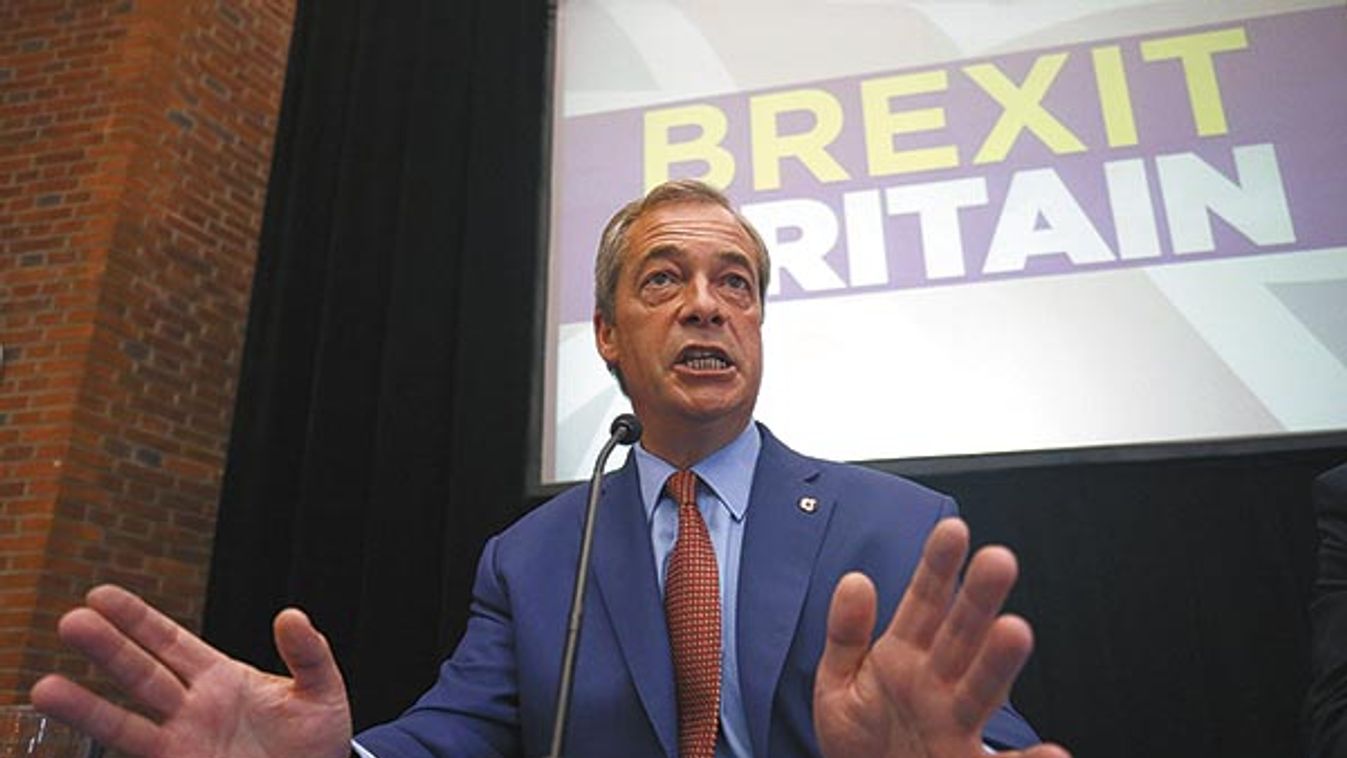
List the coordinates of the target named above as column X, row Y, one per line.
column 730, row 256
column 676, row 226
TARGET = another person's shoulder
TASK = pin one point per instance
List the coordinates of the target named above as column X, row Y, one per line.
column 1332, row 484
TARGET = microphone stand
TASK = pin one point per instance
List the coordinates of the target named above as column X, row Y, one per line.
column 625, row 430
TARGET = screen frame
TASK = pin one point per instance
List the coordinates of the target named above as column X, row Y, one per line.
column 536, row 489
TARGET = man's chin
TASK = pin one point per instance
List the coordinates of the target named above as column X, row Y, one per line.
column 709, row 410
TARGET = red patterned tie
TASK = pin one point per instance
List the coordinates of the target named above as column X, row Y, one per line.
column 692, row 607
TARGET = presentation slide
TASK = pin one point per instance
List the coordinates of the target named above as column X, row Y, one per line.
column 994, row 226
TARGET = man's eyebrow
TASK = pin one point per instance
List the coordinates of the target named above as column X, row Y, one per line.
column 663, row 252
column 736, row 257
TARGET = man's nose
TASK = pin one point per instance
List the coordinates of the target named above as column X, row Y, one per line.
column 700, row 303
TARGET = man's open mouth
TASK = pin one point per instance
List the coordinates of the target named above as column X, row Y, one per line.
column 704, row 359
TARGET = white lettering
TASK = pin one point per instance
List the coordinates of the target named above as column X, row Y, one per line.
column 1255, row 204
column 801, row 257
column 1129, row 198
column 937, row 207
column 867, row 263
column 1035, row 194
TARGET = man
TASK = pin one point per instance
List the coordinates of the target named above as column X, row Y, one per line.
column 770, row 666
column 1326, row 703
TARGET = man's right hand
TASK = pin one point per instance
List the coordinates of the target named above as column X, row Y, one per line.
column 203, row 703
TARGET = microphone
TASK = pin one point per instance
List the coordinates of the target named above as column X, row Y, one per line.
column 625, row 430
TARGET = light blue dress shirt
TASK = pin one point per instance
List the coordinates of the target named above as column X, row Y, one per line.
column 726, row 481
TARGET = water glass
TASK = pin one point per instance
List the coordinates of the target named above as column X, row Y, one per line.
column 25, row 733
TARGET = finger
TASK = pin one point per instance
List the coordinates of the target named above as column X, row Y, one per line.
column 990, row 576
column 1046, row 750
column 108, row 724
column 986, row 685
column 851, row 621
column 132, row 669
column 183, row 652
column 307, row 655
column 927, row 599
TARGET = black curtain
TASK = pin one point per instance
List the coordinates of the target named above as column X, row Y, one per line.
column 381, row 431
column 1168, row 597
column 384, row 397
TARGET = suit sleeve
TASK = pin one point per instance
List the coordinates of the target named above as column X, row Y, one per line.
column 472, row 711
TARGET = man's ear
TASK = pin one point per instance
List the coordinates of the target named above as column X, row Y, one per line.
column 605, row 339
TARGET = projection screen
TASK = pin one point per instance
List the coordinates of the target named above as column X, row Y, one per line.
column 994, row 226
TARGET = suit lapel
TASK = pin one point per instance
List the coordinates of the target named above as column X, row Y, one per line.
column 624, row 569
column 781, row 545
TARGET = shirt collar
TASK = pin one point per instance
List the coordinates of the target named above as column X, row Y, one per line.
column 728, row 472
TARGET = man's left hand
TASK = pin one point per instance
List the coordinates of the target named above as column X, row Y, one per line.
column 943, row 666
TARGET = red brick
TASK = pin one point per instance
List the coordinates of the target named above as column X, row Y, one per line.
column 119, row 229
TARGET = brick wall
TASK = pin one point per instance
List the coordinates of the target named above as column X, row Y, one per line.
column 135, row 143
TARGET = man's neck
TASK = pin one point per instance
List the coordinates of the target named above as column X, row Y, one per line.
column 684, row 446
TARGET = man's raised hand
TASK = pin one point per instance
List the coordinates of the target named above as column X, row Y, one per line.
column 200, row 702
column 946, row 662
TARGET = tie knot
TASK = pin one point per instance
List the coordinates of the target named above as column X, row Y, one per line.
column 682, row 487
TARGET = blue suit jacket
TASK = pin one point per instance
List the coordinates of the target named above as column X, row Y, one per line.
column 495, row 695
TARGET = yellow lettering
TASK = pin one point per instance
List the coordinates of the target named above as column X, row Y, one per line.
column 1115, row 100
column 1195, row 52
column 660, row 153
column 810, row 147
column 882, row 124
column 1022, row 109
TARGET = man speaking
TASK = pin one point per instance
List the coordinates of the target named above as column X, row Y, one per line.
column 733, row 596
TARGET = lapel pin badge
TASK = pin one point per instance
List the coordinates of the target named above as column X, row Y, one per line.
column 808, row 504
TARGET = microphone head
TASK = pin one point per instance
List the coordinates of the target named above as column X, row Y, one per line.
column 626, row 429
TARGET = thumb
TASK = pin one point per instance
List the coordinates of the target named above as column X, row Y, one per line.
column 307, row 655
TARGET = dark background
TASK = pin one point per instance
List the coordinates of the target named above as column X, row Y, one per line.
column 383, row 423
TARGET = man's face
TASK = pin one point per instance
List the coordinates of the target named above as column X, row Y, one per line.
column 686, row 335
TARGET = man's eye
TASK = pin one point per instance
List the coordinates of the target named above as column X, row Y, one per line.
column 660, row 279
column 738, row 282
